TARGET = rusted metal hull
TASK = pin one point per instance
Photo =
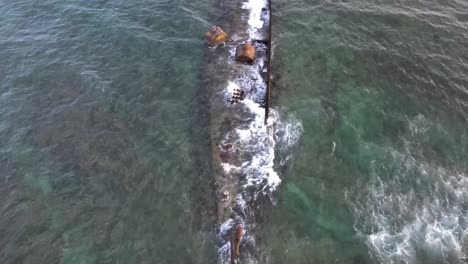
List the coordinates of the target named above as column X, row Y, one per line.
column 234, row 124
column 233, row 148
column 270, row 52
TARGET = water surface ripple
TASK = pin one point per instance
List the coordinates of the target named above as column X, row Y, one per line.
column 381, row 174
column 105, row 153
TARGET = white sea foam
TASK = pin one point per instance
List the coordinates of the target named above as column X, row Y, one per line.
column 415, row 206
column 231, row 87
column 255, row 13
column 414, row 209
column 247, row 238
column 256, row 142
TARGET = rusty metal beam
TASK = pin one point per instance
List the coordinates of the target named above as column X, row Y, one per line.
column 268, row 75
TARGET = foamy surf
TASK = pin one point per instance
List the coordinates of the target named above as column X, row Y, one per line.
column 258, row 144
column 256, row 15
column 419, row 209
column 253, row 144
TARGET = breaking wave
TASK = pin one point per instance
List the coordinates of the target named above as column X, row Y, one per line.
column 257, row 16
column 414, row 210
column 255, row 142
column 258, row 144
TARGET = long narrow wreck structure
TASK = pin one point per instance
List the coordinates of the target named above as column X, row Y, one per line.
column 242, row 141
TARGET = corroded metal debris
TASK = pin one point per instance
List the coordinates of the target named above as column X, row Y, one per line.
column 245, row 53
column 236, row 237
column 244, row 85
column 216, row 36
column 237, row 96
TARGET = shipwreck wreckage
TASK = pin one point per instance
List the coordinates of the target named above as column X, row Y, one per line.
column 242, row 125
column 242, row 139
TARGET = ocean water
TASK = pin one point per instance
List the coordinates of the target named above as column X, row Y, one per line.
column 105, row 152
column 380, row 175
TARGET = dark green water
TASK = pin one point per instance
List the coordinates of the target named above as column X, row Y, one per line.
column 100, row 143
column 104, row 146
column 385, row 82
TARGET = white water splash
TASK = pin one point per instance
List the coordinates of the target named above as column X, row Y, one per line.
column 225, row 250
column 255, row 13
column 258, row 142
column 231, row 88
column 419, row 206
column 255, row 142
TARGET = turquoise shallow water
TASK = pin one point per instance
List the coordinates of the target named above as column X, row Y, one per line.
column 105, row 153
column 380, row 176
